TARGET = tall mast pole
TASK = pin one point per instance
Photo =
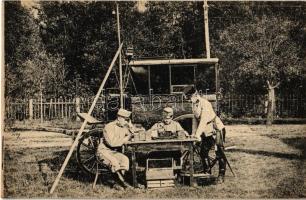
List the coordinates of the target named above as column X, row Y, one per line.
column 206, row 31
column 120, row 61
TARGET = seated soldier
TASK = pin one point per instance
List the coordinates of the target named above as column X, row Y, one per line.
column 115, row 135
column 168, row 124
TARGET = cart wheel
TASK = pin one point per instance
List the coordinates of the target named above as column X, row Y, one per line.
column 86, row 153
column 189, row 124
column 197, row 161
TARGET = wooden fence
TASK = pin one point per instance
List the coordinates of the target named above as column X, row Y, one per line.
column 287, row 106
column 61, row 108
column 243, row 105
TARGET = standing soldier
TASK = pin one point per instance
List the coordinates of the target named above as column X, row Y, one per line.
column 210, row 132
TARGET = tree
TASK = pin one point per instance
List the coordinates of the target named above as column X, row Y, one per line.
column 164, row 29
column 85, row 34
column 263, row 51
column 16, row 35
column 29, row 67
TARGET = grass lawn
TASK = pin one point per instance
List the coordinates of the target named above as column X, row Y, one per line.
column 269, row 162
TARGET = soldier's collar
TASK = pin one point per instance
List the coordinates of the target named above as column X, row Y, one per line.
column 169, row 123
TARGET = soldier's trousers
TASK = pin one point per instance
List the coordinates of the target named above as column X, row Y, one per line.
column 114, row 159
column 206, row 145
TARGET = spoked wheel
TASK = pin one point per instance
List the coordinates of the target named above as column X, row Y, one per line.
column 189, row 123
column 87, row 153
column 197, row 160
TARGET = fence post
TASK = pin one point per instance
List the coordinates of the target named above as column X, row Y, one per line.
column 77, row 107
column 31, row 109
column 62, row 107
column 41, row 109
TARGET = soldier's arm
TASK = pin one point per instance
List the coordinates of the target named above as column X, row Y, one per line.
column 179, row 128
column 153, row 128
column 200, row 128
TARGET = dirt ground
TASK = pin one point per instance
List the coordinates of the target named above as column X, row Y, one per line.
column 269, row 162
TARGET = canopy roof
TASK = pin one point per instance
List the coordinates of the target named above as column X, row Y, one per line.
column 174, row 61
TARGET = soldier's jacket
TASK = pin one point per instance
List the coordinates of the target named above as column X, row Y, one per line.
column 207, row 119
column 172, row 127
column 114, row 134
column 204, row 113
column 218, row 124
column 108, row 150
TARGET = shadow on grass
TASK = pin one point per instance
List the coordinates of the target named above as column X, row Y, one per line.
column 269, row 154
column 72, row 170
column 298, row 143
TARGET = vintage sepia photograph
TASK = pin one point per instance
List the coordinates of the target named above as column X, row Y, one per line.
column 202, row 99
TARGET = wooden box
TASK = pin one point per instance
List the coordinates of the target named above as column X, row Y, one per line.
column 160, row 183
column 160, row 173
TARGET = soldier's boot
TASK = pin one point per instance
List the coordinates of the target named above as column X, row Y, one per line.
column 206, row 166
column 205, row 159
column 122, row 181
column 116, row 183
column 222, row 169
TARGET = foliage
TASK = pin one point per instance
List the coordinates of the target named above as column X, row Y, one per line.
column 71, row 43
column 261, row 50
column 179, row 20
column 84, row 33
column 29, row 66
column 15, row 47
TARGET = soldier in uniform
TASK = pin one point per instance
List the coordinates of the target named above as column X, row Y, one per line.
column 210, row 132
column 168, row 124
column 115, row 135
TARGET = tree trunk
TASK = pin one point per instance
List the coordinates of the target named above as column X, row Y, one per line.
column 271, row 103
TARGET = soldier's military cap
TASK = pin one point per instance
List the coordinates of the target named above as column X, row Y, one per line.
column 124, row 113
column 169, row 112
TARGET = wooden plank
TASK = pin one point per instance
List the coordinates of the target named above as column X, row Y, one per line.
column 206, row 29
column 44, row 108
column 160, row 181
column 186, row 140
column 66, row 110
column 134, row 164
column 62, row 107
column 51, row 108
column 191, row 170
column 55, row 108
column 69, row 109
column 89, row 119
column 41, row 108
column 136, row 63
column 153, row 177
column 160, row 184
column 197, row 175
column 216, row 77
column 170, row 79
